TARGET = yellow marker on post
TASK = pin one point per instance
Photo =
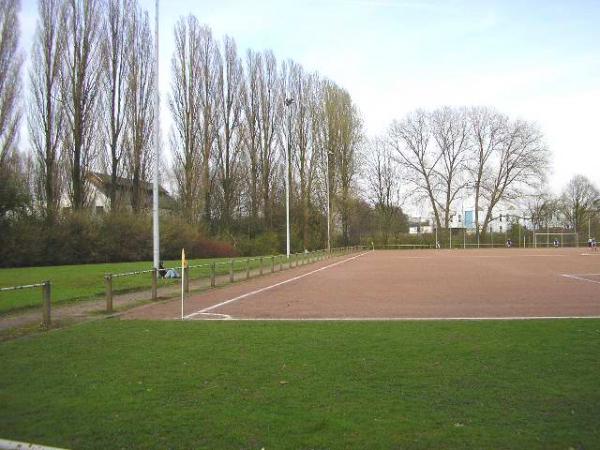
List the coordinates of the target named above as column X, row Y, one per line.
column 182, row 278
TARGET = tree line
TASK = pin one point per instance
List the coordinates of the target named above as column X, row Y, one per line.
column 89, row 106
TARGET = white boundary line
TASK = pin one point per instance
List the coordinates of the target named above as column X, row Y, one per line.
column 485, row 256
column 258, row 291
column 580, row 277
column 403, row 319
column 10, row 445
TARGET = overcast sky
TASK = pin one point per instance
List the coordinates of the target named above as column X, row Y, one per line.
column 537, row 60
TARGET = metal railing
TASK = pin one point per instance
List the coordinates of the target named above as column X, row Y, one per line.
column 46, row 298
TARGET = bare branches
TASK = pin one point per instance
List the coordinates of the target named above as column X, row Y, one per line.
column 46, row 112
column 115, row 71
column 229, row 139
column 140, row 112
column 10, row 79
column 185, row 104
column 79, row 93
column 579, row 201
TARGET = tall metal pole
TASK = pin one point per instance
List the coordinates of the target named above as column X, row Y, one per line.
column 155, row 188
column 288, row 104
column 328, row 207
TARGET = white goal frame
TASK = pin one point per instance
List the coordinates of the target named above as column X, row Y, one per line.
column 548, row 243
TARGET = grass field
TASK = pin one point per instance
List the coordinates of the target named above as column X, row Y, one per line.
column 75, row 282
column 136, row 384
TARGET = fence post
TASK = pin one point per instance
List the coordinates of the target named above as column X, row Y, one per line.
column 212, row 275
column 186, row 280
column 247, row 268
column 261, row 265
column 280, row 264
column 47, row 300
column 154, row 284
column 109, row 293
column 231, row 279
column 272, row 264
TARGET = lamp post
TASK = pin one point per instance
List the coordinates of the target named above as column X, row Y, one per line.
column 288, row 103
column 329, row 153
column 155, row 186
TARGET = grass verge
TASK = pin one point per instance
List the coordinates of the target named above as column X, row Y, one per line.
column 121, row 384
column 75, row 282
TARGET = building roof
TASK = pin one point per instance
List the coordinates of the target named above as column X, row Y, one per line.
column 102, row 182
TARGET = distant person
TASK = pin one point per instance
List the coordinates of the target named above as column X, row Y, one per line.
column 162, row 272
column 509, row 243
column 594, row 245
column 172, row 273
column 556, row 242
column 590, row 242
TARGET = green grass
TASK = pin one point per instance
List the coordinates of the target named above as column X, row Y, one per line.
column 111, row 384
column 75, row 282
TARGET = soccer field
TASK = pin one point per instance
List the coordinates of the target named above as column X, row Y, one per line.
column 425, row 284
column 377, row 349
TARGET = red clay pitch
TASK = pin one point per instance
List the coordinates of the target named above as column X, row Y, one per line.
column 498, row 283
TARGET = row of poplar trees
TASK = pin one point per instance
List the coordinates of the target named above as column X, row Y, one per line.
column 234, row 116
column 89, row 106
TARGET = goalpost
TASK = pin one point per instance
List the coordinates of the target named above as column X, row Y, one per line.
column 547, row 239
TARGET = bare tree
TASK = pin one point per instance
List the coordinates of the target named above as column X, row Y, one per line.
column 410, row 139
column 210, row 61
column 351, row 137
column 487, row 129
column 520, row 161
column 79, row 94
column 115, row 71
column 185, row 104
column 383, row 177
column 140, row 111
column 230, row 92
column 251, row 133
column 541, row 207
column 271, row 110
column 46, row 115
column 10, row 77
column 579, row 201
column 302, row 88
column 450, row 131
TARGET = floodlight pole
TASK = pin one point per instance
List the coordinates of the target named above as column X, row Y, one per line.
column 288, row 104
column 155, row 187
column 328, row 204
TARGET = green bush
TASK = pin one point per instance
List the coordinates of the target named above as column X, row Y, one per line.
column 267, row 243
column 78, row 237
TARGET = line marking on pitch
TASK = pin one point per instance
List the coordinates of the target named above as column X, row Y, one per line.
column 580, row 277
column 485, row 256
column 407, row 319
column 258, row 291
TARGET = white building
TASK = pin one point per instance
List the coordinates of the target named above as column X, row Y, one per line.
column 99, row 184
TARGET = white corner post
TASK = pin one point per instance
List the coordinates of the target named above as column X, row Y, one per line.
column 156, row 186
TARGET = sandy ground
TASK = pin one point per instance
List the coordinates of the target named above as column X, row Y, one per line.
column 498, row 283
